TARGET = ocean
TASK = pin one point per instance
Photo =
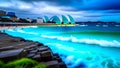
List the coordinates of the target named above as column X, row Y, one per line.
column 79, row 46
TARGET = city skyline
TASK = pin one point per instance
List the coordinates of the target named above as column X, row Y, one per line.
column 80, row 10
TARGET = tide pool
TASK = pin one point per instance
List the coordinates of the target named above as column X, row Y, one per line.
column 79, row 47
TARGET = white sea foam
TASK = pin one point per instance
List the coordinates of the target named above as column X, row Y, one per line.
column 105, row 43
column 69, row 59
column 34, row 26
column 11, row 30
column 63, row 47
column 21, row 31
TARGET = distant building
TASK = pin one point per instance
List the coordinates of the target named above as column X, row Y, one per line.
column 12, row 16
column 33, row 21
column 2, row 13
column 55, row 19
column 62, row 20
column 9, row 16
column 6, row 17
column 46, row 19
column 72, row 21
column 40, row 20
column 29, row 20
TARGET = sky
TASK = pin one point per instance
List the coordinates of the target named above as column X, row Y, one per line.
column 80, row 10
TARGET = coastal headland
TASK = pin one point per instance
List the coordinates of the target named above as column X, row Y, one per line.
column 14, row 48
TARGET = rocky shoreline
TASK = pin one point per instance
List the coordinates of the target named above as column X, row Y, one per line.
column 13, row 48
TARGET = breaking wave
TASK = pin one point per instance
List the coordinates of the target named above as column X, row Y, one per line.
column 11, row 30
column 21, row 31
column 86, row 59
column 104, row 43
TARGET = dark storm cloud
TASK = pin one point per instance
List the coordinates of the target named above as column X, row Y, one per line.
column 101, row 15
column 83, row 4
column 57, row 2
column 97, row 5
column 113, row 11
column 76, row 8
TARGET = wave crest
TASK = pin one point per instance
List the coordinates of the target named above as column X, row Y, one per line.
column 104, row 43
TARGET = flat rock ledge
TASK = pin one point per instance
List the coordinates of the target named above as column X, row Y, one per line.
column 12, row 48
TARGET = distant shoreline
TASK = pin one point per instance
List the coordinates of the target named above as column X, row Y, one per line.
column 37, row 24
column 7, row 25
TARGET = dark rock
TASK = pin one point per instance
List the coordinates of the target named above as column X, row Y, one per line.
column 23, row 53
column 20, row 48
column 62, row 65
column 7, row 48
column 30, row 55
column 56, row 55
column 12, row 54
column 42, row 48
column 29, row 49
column 24, row 45
column 59, row 59
column 52, row 64
column 28, row 41
column 33, row 51
column 38, row 53
column 37, row 57
column 46, row 55
column 18, row 39
column 39, row 44
column 31, row 46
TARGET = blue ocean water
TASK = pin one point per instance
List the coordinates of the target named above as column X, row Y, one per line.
column 78, row 46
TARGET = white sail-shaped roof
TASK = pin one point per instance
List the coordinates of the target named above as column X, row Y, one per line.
column 56, row 20
column 46, row 19
column 71, row 19
column 64, row 20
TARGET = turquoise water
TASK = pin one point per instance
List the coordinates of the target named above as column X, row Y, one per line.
column 79, row 47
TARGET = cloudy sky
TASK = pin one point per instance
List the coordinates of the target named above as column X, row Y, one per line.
column 80, row 10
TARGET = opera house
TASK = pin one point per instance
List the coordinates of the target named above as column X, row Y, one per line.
column 59, row 20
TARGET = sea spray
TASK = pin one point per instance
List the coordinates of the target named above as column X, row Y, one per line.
column 104, row 43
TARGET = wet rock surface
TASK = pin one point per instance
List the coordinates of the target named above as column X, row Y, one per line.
column 12, row 48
